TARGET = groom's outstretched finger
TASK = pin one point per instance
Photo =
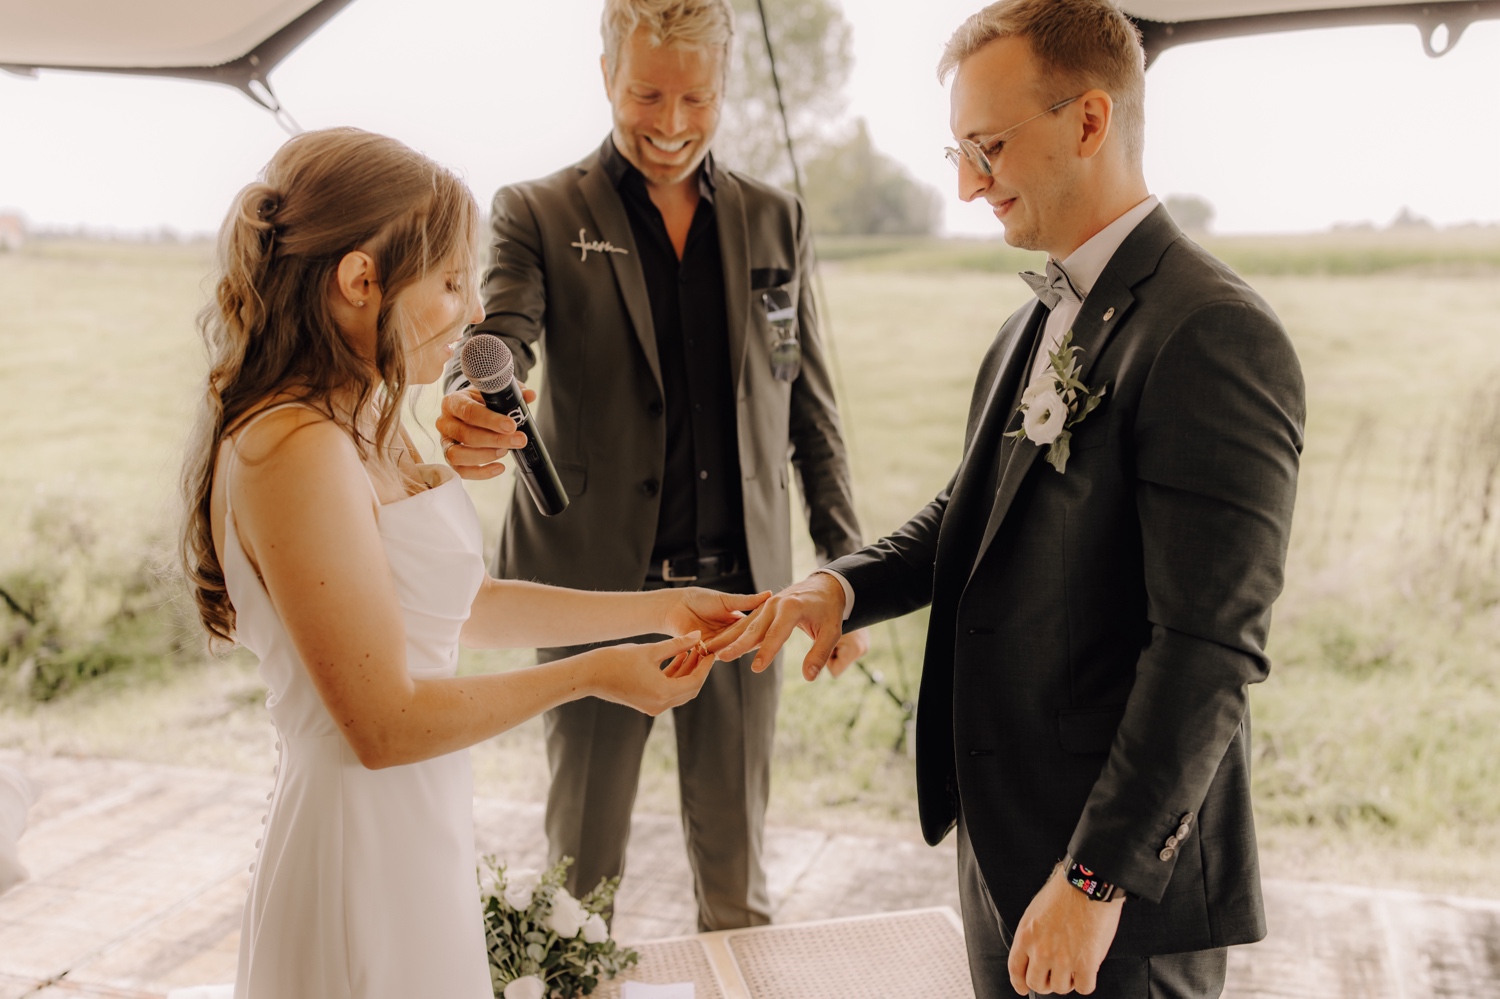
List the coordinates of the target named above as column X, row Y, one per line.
column 777, row 632
column 743, row 636
column 819, row 654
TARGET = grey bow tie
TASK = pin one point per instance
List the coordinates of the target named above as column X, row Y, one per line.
column 1052, row 287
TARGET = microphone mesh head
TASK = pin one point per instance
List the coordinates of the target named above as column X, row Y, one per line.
column 487, row 362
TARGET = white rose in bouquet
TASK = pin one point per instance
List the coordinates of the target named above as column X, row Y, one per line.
column 529, row 987
column 541, row 940
column 518, row 896
column 567, row 916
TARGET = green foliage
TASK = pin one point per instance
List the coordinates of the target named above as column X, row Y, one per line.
column 73, row 609
column 853, row 189
column 522, row 939
column 814, row 56
column 1192, row 213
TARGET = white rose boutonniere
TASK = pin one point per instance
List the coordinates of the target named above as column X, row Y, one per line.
column 1056, row 401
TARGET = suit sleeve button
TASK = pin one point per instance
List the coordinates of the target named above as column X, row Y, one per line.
column 650, row 488
column 1167, row 853
column 1171, row 843
column 1186, row 820
column 1183, row 830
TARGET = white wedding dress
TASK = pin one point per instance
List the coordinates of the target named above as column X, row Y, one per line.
column 364, row 886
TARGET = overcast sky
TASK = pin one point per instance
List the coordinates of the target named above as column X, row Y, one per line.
column 1281, row 133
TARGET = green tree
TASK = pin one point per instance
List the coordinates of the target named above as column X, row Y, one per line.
column 853, row 189
column 813, row 59
column 1195, row 214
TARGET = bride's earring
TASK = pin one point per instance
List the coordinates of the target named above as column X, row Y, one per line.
column 360, row 304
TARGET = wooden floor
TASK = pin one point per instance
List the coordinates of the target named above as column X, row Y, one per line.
column 139, row 874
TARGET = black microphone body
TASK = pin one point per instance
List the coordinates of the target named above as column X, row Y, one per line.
column 498, row 387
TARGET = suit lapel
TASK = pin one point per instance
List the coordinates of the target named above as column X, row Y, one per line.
column 613, row 224
column 1104, row 311
column 734, row 250
column 981, row 450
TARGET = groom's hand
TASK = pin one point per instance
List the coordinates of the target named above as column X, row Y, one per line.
column 1062, row 939
column 816, row 605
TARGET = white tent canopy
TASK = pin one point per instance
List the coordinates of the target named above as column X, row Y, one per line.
column 239, row 42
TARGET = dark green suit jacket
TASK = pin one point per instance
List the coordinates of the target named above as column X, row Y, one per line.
column 601, row 405
column 1093, row 633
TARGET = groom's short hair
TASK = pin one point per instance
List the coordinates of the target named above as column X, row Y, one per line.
column 1081, row 45
column 693, row 23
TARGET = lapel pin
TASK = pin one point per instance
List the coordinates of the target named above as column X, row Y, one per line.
column 584, row 245
column 1109, row 313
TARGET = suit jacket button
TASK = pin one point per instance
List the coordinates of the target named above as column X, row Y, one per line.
column 1167, row 853
column 650, row 488
column 655, row 409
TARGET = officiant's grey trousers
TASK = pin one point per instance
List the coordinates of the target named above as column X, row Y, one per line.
column 724, row 737
column 1193, row 975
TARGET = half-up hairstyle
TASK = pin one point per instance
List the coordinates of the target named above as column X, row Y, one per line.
column 270, row 331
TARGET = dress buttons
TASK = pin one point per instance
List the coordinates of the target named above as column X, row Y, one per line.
column 270, row 795
column 257, row 844
column 1167, row 853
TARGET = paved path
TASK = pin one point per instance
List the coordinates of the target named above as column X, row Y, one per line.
column 139, row 874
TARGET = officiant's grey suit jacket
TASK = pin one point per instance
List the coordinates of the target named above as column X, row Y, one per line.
column 1093, row 632
column 601, row 414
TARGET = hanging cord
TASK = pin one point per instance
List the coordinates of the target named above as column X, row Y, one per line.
column 875, row 677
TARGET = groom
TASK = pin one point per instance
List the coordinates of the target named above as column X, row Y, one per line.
column 1101, row 579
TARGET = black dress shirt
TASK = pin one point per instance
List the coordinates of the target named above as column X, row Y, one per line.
column 701, row 507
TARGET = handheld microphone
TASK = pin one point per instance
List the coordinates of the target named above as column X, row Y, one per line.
column 488, row 365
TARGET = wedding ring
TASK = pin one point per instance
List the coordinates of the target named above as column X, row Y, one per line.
column 702, row 650
column 448, row 442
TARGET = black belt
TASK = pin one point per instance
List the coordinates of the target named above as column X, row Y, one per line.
column 695, row 568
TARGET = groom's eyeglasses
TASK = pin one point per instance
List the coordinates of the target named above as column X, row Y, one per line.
column 978, row 152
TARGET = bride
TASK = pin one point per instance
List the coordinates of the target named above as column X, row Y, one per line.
column 318, row 538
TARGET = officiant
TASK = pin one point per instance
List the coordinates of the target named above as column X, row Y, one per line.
column 670, row 297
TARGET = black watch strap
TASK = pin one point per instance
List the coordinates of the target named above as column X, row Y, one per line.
column 1088, row 882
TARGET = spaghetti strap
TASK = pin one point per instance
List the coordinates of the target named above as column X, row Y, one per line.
column 234, row 444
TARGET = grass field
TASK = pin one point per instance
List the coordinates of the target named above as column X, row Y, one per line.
column 1376, row 737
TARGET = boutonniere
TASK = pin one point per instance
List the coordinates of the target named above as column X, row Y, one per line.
column 1055, row 402
column 584, row 245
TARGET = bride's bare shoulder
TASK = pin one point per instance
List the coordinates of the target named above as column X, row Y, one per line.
column 289, row 449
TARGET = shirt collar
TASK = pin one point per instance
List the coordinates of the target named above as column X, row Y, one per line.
column 621, row 171
column 1085, row 264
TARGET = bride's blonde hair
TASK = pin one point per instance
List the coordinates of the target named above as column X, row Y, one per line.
column 270, row 331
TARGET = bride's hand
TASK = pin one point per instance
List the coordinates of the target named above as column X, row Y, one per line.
column 633, row 675
column 694, row 608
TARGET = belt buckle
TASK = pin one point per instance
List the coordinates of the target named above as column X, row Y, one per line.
column 670, row 577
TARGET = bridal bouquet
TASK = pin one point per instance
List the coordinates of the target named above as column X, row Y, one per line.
column 543, row 942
